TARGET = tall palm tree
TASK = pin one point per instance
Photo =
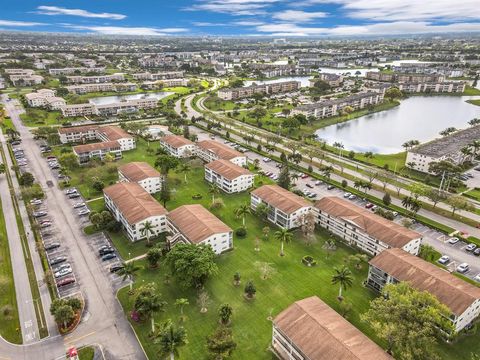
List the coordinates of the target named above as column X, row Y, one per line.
column 342, row 276
column 214, row 190
column 149, row 305
column 147, row 230
column 242, row 212
column 284, row 236
column 184, row 168
column 129, row 269
column 170, row 339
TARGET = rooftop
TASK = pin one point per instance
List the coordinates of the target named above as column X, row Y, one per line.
column 323, row 334
column 284, row 200
column 227, row 169
column 176, row 141
column 374, row 225
column 86, row 148
column 137, row 171
column 134, row 202
column 221, row 150
column 455, row 293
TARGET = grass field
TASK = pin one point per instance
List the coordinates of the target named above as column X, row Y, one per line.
column 9, row 322
column 86, row 353
column 474, row 102
column 38, row 117
column 470, row 91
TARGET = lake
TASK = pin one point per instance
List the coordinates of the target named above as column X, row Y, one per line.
column 418, row 117
column 103, row 100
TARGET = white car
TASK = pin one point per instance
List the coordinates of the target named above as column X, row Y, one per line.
column 477, row 278
column 63, row 272
column 453, row 240
column 79, row 205
column 346, row 195
column 266, row 159
column 352, row 197
column 470, row 247
column 444, row 259
column 318, row 183
column 463, row 268
column 36, row 202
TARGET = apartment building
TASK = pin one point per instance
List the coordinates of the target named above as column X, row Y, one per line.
column 87, row 152
column 446, row 148
column 75, row 110
column 404, row 78
column 333, row 80
column 132, row 206
column 309, row 329
column 228, row 177
column 158, row 76
column 142, row 174
column 25, row 80
column 101, row 87
column 76, row 70
column 116, row 133
column 211, row 150
column 433, row 87
column 285, row 208
column 95, row 79
column 178, row 146
column 129, row 106
column 194, row 224
column 360, row 228
column 333, row 107
column 395, row 265
column 248, row 91
column 78, row 134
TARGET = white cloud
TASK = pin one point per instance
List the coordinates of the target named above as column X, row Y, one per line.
column 248, row 23
column 232, row 7
column 389, row 28
column 119, row 30
column 19, row 23
column 404, row 10
column 298, row 16
column 55, row 10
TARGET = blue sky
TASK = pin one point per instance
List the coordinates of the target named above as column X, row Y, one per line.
column 279, row 18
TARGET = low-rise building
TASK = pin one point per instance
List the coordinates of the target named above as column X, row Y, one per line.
column 142, row 174
column 76, row 70
column 447, row 148
column 404, row 78
column 45, row 98
column 285, row 209
column 26, row 80
column 116, row 133
column 433, row 87
column 309, row 329
column 158, row 76
column 228, row 176
column 178, row 146
column 194, row 224
column 132, row 206
column 77, row 134
column 247, row 91
column 111, row 109
column 333, row 80
column 87, row 152
column 395, row 265
column 95, row 79
column 75, row 110
column 101, row 87
column 363, row 229
column 210, row 150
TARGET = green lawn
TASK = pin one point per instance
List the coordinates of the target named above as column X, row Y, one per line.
column 128, row 249
column 474, row 194
column 38, row 117
column 96, row 205
column 392, row 160
column 86, row 353
column 9, row 322
column 474, row 102
column 470, row 91
column 182, row 90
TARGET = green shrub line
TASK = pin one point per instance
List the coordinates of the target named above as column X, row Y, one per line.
column 43, row 331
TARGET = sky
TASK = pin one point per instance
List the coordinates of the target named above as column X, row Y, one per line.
column 277, row 18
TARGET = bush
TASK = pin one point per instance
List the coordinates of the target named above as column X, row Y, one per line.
column 197, row 197
column 309, row 260
column 241, row 232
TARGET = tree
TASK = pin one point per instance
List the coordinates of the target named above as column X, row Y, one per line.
column 68, row 160
column 258, row 112
column 329, row 246
column 213, row 190
column 147, row 302
column 284, row 236
column 147, row 229
column 448, row 131
column 97, row 184
column 250, row 289
column 393, row 93
column 458, row 202
column 225, row 312
column 184, row 168
column 191, row 264
column 387, row 199
column 166, row 163
column 307, row 226
column 26, row 179
column 170, row 338
column 410, row 321
column 343, row 277
column 3, row 169
column 266, row 269
column 435, row 196
column 236, row 278
column 262, row 211
column 266, row 231
column 181, row 303
column 153, row 256
column 220, row 344
column 357, row 260
column 165, row 194
column 284, row 179
column 128, row 271
column 203, row 301
column 428, row 252
column 64, row 314
column 242, row 212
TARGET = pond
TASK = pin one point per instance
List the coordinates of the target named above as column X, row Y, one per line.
column 418, row 117
column 103, row 100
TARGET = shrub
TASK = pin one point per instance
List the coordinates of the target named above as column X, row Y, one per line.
column 241, row 232
column 197, row 197
column 309, row 260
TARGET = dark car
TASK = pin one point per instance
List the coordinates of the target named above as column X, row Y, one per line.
column 66, row 281
column 330, row 187
column 52, row 246
column 74, row 196
column 116, row 267
column 58, row 260
column 309, row 186
column 109, row 257
column 108, row 250
column 476, row 252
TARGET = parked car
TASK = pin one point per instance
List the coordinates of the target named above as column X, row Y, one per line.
column 36, row 202
column 352, row 197
column 346, row 195
column 266, row 159
column 318, row 183
column 368, row 205
column 330, row 187
column 74, row 196
column 109, row 257
column 470, row 247
column 463, row 268
column 395, row 213
column 61, row 267
column 374, row 207
column 51, row 158
column 45, row 225
column 52, row 246
column 309, row 186
column 58, row 260
column 78, row 205
column 63, row 272
column 70, row 191
column 476, row 252
column 453, row 240
column 477, row 278
column 38, row 214
column 115, row 267
column 84, row 212
column 65, row 281
column 444, row 259
column 304, row 176
column 108, row 250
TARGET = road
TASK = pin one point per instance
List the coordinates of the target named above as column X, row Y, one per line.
column 104, row 321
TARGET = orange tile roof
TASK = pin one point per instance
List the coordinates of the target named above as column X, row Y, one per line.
column 221, row 150
column 282, row 199
column 176, row 141
column 227, row 169
column 79, row 149
column 137, row 171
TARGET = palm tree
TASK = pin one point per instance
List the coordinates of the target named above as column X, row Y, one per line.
column 170, row 339
column 475, row 144
column 242, row 212
column 129, row 269
column 294, row 177
column 2, row 168
column 284, row 236
column 342, row 276
column 214, row 190
column 184, row 168
column 147, row 229
column 150, row 305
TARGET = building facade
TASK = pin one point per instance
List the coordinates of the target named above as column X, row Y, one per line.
column 178, row 146
column 211, row 150
column 229, row 177
column 142, row 174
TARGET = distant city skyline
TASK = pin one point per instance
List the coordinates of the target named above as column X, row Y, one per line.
column 278, row 18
